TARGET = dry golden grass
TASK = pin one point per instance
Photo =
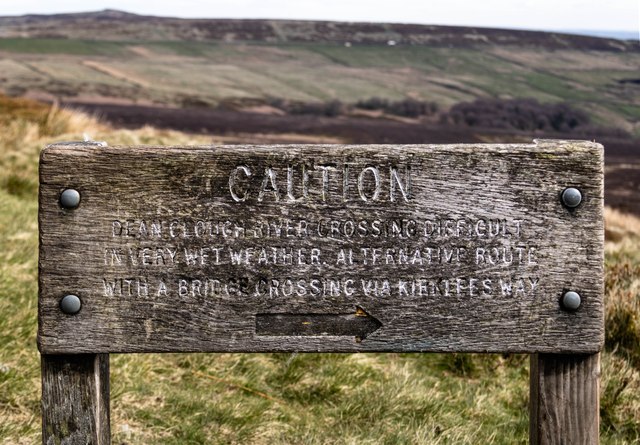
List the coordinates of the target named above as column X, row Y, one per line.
column 622, row 284
column 27, row 126
column 620, row 226
column 621, row 376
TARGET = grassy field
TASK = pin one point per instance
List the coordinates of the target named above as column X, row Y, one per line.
column 169, row 72
column 57, row 46
column 284, row 398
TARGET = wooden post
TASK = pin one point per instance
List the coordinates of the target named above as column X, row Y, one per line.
column 565, row 403
column 75, row 399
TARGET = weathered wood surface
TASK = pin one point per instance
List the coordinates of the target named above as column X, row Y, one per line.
column 564, row 401
column 75, row 399
column 450, row 248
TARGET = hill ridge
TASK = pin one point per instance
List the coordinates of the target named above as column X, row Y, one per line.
column 118, row 25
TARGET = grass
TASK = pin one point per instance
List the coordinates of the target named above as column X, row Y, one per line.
column 320, row 71
column 61, row 46
column 316, row 398
column 284, row 398
column 631, row 111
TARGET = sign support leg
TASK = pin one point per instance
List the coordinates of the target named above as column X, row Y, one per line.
column 75, row 399
column 565, row 402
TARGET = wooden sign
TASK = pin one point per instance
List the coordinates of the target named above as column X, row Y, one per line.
column 321, row 248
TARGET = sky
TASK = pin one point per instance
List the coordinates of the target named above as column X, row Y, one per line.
column 610, row 15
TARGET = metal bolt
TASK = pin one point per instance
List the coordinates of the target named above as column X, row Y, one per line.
column 70, row 199
column 70, row 304
column 571, row 300
column 571, row 197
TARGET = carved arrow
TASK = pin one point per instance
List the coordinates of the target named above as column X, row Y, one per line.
column 359, row 324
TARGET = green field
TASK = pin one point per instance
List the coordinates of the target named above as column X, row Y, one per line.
column 61, row 46
column 284, row 398
column 169, row 72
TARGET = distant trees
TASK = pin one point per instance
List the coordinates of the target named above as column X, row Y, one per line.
column 522, row 115
column 331, row 108
column 517, row 114
column 506, row 114
column 405, row 107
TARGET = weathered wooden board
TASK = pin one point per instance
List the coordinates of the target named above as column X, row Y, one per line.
column 322, row 248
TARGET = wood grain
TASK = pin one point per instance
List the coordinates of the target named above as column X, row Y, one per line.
column 75, row 399
column 463, row 294
column 565, row 406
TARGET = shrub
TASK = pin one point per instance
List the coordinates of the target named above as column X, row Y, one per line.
column 405, row 107
column 517, row 114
